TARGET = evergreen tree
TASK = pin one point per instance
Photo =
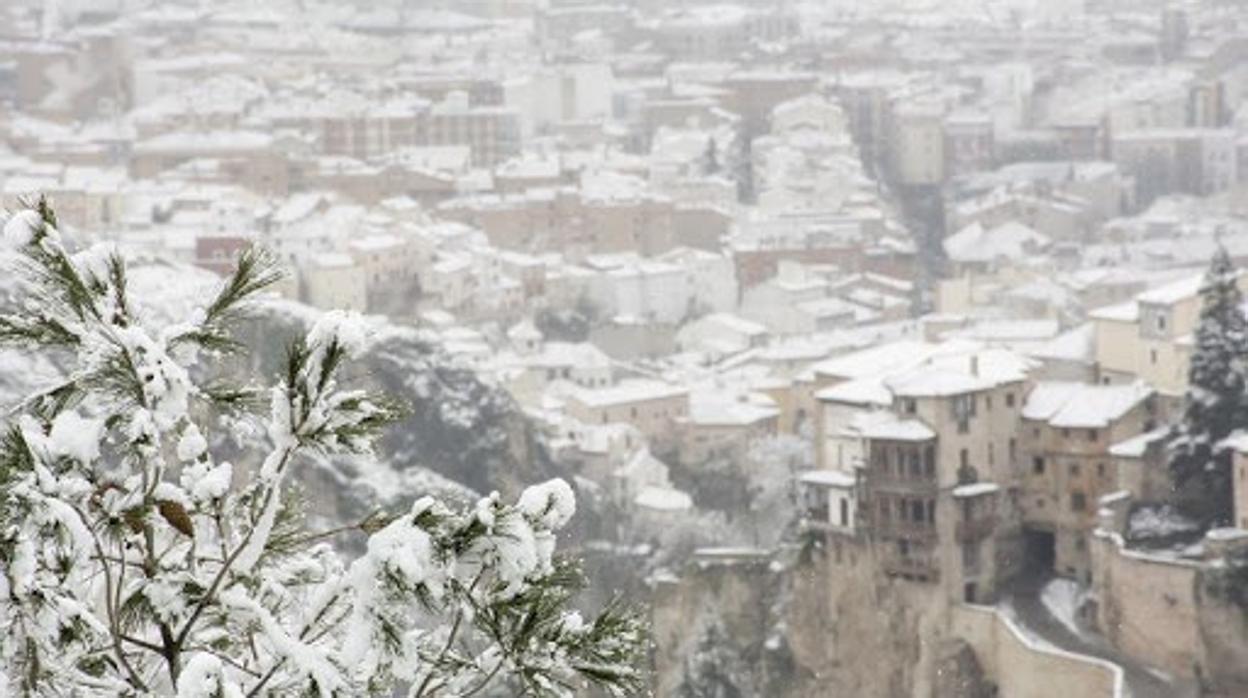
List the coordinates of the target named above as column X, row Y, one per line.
column 713, row 670
column 133, row 563
column 1215, row 404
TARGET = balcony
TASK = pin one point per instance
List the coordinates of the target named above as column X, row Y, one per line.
column 918, row 568
column 910, row 530
column 911, row 486
column 976, row 529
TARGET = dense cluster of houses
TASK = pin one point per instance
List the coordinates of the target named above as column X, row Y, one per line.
column 958, row 251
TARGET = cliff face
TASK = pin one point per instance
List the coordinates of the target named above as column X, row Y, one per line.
column 815, row 627
column 459, row 437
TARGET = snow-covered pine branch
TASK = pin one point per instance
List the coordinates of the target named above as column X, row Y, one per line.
column 133, row 563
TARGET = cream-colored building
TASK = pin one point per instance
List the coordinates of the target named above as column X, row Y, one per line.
column 335, row 281
column 929, row 430
column 1067, row 433
column 722, row 424
column 653, row 407
column 1150, row 337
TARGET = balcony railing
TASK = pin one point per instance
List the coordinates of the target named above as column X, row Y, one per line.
column 920, row 568
column 902, row 485
column 912, row 530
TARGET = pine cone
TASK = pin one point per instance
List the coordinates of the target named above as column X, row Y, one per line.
column 175, row 515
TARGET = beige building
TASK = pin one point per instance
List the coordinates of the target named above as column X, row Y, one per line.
column 1067, row 434
column 240, row 157
column 492, row 132
column 651, row 406
column 928, row 430
column 1150, row 337
column 335, row 281
column 722, row 424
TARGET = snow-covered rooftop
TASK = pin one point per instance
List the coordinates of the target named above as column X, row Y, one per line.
column 882, row 425
column 1081, row 405
column 828, row 478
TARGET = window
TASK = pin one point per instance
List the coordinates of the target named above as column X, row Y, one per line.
column 1092, row 435
column 916, row 511
column 1078, row 501
column 1065, row 433
column 1100, row 469
column 1152, row 356
column 1037, row 465
column 964, row 458
column 987, row 403
column 1074, row 470
column 909, row 405
column 1013, row 449
column 963, row 407
column 844, row 512
column 970, row 556
column 991, row 454
column 1161, row 323
column 1009, row 399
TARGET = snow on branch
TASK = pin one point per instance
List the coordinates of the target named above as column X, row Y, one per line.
column 133, row 563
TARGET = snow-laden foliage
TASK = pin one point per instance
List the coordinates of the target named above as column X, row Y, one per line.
column 714, row 669
column 1215, row 404
column 132, row 563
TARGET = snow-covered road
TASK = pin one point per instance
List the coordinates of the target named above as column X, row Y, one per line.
column 1044, row 608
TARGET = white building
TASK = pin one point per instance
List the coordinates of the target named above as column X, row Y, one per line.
column 335, row 281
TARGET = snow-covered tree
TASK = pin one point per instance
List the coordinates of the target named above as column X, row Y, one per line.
column 713, row 669
column 1215, row 404
column 133, row 563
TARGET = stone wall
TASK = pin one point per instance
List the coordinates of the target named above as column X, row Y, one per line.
column 1146, row 606
column 1186, row 617
column 1022, row 668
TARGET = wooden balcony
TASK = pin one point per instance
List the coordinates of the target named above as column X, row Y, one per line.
column 910, row 530
column 892, row 484
column 918, row 568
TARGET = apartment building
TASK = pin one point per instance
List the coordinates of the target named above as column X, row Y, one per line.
column 652, row 406
column 723, row 424
column 1150, row 337
column 928, row 434
column 244, row 157
column 492, row 132
column 334, row 281
column 1068, row 432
